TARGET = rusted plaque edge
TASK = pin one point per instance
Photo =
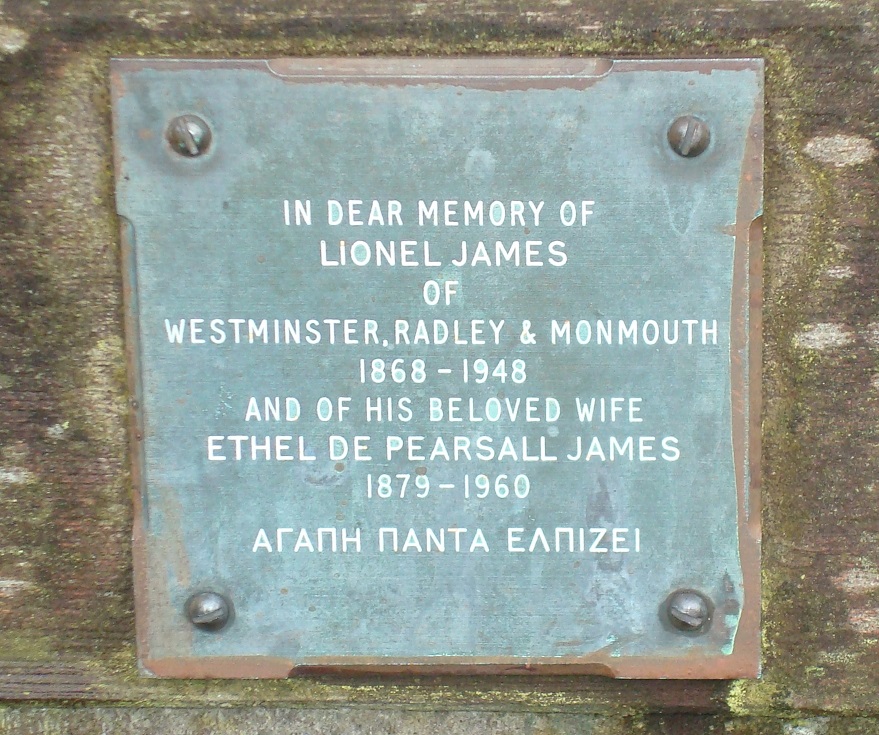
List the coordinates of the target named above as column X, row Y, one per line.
column 746, row 340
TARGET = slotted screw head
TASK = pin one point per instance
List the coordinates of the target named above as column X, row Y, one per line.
column 189, row 135
column 689, row 611
column 689, row 136
column 208, row 610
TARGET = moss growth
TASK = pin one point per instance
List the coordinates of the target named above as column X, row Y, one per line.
column 18, row 646
column 755, row 698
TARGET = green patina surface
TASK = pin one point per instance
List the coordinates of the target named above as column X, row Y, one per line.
column 64, row 382
column 323, row 140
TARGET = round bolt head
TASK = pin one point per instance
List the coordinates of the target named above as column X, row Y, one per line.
column 189, row 135
column 689, row 611
column 208, row 610
column 689, row 136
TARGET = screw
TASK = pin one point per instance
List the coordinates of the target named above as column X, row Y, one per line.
column 689, row 136
column 688, row 610
column 189, row 135
column 208, row 610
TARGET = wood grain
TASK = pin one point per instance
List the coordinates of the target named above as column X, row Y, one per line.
column 66, row 625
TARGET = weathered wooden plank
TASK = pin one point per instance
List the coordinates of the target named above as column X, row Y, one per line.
column 44, row 682
column 65, row 587
column 306, row 721
column 241, row 721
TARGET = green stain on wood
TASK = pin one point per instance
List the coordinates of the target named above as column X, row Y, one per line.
column 24, row 646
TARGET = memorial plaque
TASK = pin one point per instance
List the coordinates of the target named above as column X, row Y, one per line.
column 443, row 365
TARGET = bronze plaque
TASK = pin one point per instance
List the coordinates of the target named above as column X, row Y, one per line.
column 446, row 365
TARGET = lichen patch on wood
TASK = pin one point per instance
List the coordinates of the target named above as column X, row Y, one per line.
column 824, row 336
column 841, row 150
column 12, row 39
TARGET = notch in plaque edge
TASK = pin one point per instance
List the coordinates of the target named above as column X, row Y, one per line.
column 682, row 668
column 464, row 68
